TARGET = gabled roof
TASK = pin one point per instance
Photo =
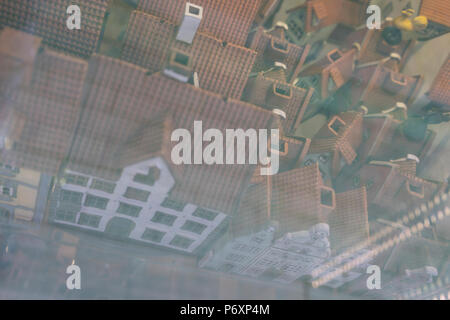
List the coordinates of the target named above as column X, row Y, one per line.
column 380, row 88
column 117, row 108
column 261, row 91
column 349, row 223
column 227, row 20
column 17, row 53
column 222, row 67
column 292, row 199
column 343, row 142
column 336, row 65
column 296, row 199
column 436, row 10
column 49, row 109
column 253, row 214
column 374, row 47
column 291, row 55
column 440, row 90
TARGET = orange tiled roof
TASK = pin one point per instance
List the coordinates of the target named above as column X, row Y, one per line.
column 296, row 199
column 339, row 69
column 227, row 20
column 50, row 107
column 17, row 53
column 440, row 90
column 349, row 223
column 117, row 107
column 253, row 212
column 293, row 59
column 222, row 68
column 258, row 88
column 346, row 141
column 380, row 88
column 47, row 20
column 436, row 10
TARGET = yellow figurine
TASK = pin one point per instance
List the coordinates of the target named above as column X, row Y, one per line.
column 406, row 23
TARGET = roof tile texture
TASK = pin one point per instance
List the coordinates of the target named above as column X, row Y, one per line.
column 227, row 20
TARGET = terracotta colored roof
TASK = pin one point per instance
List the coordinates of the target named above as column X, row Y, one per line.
column 349, row 223
column 345, row 141
column 50, row 107
column 147, row 142
column 17, row 53
column 266, row 8
column 436, row 10
column 374, row 48
column 260, row 91
column 227, row 20
column 380, row 129
column 222, row 68
column 253, row 213
column 261, row 42
column 118, row 107
column 296, row 199
column 440, row 90
column 380, row 88
column 47, row 20
column 337, row 65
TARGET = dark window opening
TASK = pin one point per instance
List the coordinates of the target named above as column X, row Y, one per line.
column 153, row 235
column 164, row 218
column 181, row 242
column 95, row 202
column 181, row 59
column 194, row 10
column 283, row 91
column 4, row 215
column 172, row 204
column 205, row 214
column 335, row 56
column 326, row 198
column 280, row 46
column 148, row 179
column 90, row 220
column 415, row 189
column 136, row 194
column 337, row 125
column 129, row 210
column 193, row 226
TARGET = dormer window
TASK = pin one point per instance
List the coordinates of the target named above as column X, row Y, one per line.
column 334, row 56
column 181, row 58
column 277, row 50
column 326, row 197
column 416, row 190
column 280, row 148
column 179, row 66
column 284, row 91
column 336, row 125
column 279, row 45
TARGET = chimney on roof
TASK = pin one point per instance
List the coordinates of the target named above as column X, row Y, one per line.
column 278, row 46
column 279, row 30
column 278, row 95
column 277, row 72
column 191, row 21
column 179, row 66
